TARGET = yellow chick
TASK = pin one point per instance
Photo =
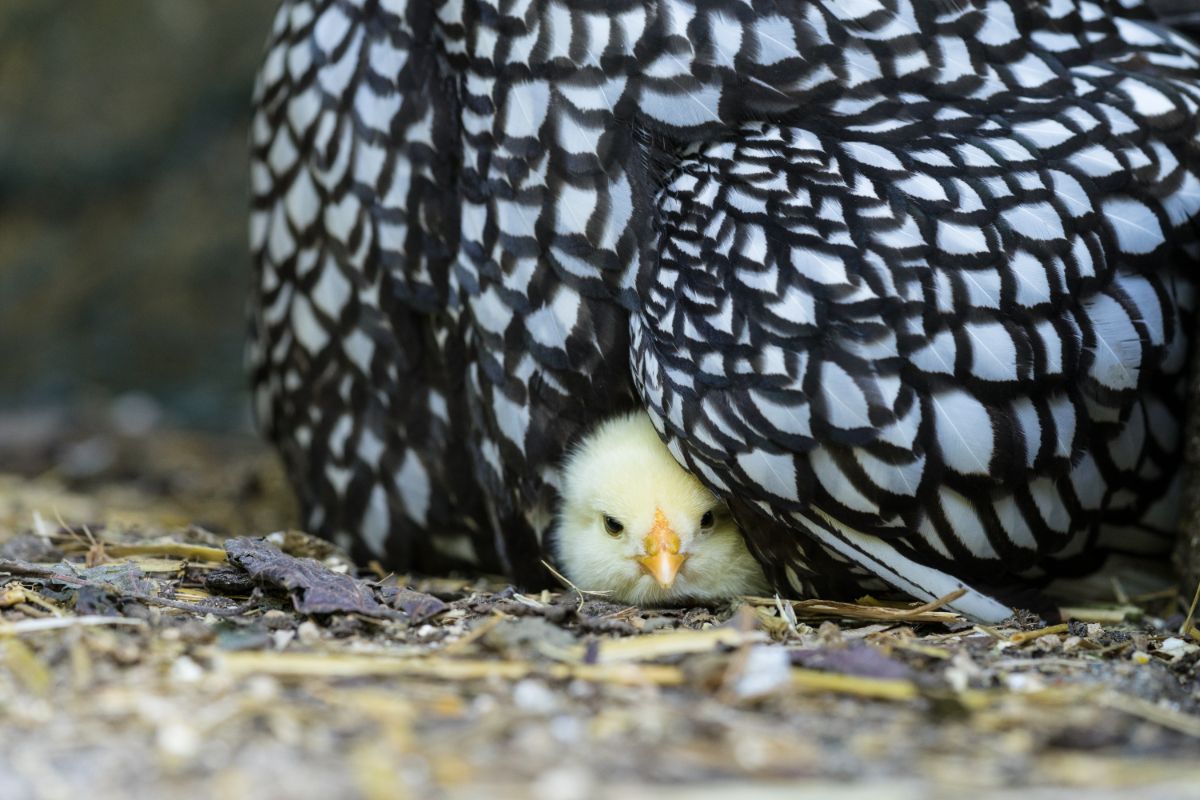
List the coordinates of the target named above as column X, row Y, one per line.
column 637, row 525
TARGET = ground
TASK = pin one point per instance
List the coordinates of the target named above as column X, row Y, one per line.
column 145, row 653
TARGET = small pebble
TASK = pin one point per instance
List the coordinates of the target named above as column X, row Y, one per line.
column 766, row 669
column 1024, row 682
column 564, row 783
column 276, row 619
column 308, row 632
column 185, row 670
column 566, row 729
column 1176, row 648
column 534, row 697
column 177, row 739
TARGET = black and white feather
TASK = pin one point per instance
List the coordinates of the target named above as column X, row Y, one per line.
column 909, row 282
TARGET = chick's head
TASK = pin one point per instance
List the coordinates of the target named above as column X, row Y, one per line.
column 637, row 525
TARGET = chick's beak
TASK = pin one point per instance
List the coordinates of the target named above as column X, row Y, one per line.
column 662, row 559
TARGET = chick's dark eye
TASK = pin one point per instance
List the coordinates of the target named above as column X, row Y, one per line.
column 707, row 520
column 612, row 526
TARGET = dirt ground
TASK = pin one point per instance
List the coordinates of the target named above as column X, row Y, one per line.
column 144, row 654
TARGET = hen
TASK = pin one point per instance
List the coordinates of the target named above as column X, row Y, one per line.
column 908, row 283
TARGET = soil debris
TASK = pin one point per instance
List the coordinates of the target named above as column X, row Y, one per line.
column 266, row 666
column 313, row 587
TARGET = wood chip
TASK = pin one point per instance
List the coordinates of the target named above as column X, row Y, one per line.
column 831, row 609
column 342, row 665
column 664, row 644
column 812, row 680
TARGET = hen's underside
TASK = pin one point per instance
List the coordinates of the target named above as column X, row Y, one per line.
column 908, row 281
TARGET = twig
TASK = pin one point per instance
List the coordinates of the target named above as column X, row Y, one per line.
column 475, row 633
column 1112, row 648
column 193, row 552
column 668, row 643
column 1144, row 709
column 1059, row 663
column 1159, row 594
column 451, row 669
column 566, row 582
column 1109, row 616
column 95, row 550
column 1021, row 637
column 195, row 608
column 934, row 605
column 787, row 614
column 1119, row 591
column 53, row 623
column 34, row 598
column 37, row 571
column 888, row 639
column 71, row 531
column 877, row 688
column 39, row 525
column 988, row 630
column 926, row 612
column 1186, row 629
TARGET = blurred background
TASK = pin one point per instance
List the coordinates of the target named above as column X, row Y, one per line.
column 123, row 258
column 124, row 267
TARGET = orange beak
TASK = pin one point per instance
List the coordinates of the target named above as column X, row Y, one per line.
column 662, row 559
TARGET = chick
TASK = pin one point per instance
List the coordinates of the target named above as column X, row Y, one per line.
column 637, row 525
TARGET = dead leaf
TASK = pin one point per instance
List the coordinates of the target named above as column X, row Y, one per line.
column 315, row 589
column 419, row 606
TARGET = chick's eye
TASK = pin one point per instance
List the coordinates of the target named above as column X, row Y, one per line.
column 707, row 520
column 612, row 526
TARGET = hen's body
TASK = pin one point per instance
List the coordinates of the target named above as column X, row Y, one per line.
column 909, row 283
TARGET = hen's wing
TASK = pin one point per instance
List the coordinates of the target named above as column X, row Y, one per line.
column 945, row 335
